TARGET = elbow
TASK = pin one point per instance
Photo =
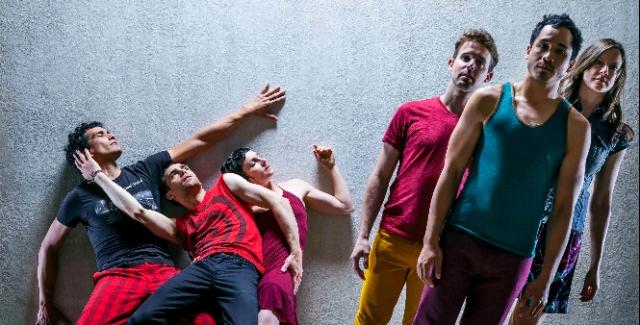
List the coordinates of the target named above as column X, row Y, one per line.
column 561, row 212
column 348, row 208
column 139, row 214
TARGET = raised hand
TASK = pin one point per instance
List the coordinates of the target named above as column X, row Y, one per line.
column 260, row 104
column 325, row 156
column 86, row 165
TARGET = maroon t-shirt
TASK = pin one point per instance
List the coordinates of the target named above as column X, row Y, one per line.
column 221, row 223
column 420, row 131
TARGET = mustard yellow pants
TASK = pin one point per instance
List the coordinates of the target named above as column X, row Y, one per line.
column 392, row 263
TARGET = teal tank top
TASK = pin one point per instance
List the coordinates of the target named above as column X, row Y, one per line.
column 514, row 166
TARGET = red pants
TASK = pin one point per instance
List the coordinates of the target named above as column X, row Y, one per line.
column 119, row 292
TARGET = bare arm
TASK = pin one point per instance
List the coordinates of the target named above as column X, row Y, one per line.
column 459, row 151
column 217, row 130
column 47, row 272
column 338, row 203
column 569, row 183
column 373, row 196
column 260, row 196
column 600, row 211
column 159, row 224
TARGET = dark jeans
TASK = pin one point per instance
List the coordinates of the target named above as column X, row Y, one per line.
column 226, row 284
column 490, row 278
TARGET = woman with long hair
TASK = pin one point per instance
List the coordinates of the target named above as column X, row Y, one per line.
column 276, row 289
column 594, row 87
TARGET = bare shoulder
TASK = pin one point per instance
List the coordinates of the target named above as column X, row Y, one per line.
column 577, row 120
column 492, row 92
column 484, row 100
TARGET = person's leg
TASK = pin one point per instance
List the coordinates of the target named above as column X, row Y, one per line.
column 384, row 279
column 117, row 294
column 176, row 296
column 276, row 298
column 413, row 289
column 441, row 304
column 195, row 315
column 236, row 288
column 502, row 276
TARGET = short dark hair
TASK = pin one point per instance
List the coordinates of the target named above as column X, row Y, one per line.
column 557, row 21
column 482, row 37
column 234, row 162
column 78, row 140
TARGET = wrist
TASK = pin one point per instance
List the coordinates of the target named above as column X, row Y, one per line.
column 95, row 173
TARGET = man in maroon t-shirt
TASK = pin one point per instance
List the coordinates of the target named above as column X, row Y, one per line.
column 416, row 140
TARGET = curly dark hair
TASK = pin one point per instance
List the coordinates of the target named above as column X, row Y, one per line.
column 233, row 163
column 557, row 21
column 78, row 140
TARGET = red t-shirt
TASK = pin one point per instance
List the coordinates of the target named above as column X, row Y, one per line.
column 221, row 223
column 420, row 131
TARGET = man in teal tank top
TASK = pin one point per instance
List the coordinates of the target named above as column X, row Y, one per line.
column 521, row 139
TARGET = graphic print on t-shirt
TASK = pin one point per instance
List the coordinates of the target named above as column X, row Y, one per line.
column 108, row 211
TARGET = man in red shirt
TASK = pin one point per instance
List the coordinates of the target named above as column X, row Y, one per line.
column 218, row 232
column 416, row 140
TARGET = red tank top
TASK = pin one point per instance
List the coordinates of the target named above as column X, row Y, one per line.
column 221, row 223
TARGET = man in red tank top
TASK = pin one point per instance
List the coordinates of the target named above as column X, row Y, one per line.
column 219, row 233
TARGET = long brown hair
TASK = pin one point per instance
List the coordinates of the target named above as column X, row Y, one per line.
column 570, row 84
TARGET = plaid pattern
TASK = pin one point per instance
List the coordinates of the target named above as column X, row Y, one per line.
column 119, row 292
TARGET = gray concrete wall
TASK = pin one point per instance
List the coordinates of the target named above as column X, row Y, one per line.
column 156, row 71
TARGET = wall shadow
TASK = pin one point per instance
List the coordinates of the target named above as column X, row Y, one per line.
column 76, row 262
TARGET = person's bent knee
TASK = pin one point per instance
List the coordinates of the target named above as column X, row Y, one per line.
column 267, row 317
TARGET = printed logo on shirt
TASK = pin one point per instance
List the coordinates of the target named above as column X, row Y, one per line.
column 107, row 210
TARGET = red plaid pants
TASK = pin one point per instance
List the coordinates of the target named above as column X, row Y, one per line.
column 119, row 292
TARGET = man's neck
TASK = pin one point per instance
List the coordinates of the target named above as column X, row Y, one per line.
column 191, row 199
column 110, row 168
column 454, row 99
column 535, row 91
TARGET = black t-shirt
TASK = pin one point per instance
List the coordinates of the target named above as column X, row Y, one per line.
column 117, row 239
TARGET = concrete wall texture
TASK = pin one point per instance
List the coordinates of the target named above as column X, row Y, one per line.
column 156, row 71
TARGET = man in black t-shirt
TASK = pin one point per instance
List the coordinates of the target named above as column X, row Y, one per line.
column 132, row 262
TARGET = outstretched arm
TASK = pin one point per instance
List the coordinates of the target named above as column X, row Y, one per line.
column 260, row 196
column 373, row 196
column 600, row 213
column 338, row 203
column 461, row 145
column 217, row 130
column 568, row 187
column 47, row 271
column 159, row 224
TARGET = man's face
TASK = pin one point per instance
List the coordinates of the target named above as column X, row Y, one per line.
column 103, row 144
column 470, row 68
column 549, row 57
column 179, row 179
column 257, row 168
